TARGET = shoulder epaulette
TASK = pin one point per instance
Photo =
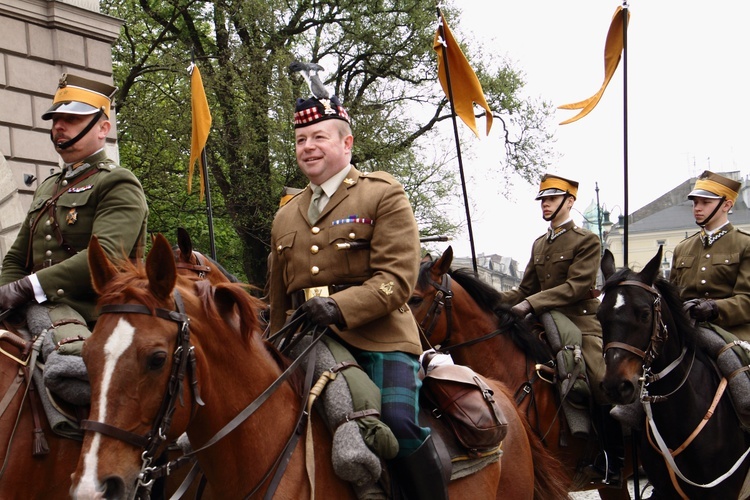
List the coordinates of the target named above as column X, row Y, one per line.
column 379, row 175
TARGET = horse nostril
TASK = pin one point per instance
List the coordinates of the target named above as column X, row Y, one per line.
column 114, row 488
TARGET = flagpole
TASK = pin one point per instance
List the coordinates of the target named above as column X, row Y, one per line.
column 207, row 187
column 625, row 128
column 458, row 145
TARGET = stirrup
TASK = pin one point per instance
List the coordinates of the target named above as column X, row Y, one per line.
column 603, row 475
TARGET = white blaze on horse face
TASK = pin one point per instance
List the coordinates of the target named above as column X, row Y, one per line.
column 118, row 342
column 619, row 301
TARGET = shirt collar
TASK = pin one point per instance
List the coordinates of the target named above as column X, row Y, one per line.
column 332, row 184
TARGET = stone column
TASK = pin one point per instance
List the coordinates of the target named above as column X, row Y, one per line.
column 41, row 39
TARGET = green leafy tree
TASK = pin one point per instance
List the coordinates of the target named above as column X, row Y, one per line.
column 380, row 62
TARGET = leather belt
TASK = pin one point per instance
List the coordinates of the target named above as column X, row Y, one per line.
column 45, row 263
column 306, row 294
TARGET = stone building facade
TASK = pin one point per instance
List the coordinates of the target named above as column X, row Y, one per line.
column 41, row 39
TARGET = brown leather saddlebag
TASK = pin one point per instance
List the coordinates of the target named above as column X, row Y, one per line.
column 458, row 396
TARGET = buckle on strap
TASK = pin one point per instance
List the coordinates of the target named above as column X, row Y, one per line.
column 316, row 291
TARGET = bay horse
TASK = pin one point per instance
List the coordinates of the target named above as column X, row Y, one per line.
column 464, row 317
column 22, row 473
column 692, row 432
column 171, row 354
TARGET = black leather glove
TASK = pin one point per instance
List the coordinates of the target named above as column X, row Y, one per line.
column 322, row 311
column 704, row 310
column 522, row 309
column 16, row 294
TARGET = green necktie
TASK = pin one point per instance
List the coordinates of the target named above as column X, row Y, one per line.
column 314, row 211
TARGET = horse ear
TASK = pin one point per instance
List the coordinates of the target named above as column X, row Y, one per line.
column 160, row 268
column 102, row 270
column 443, row 264
column 185, row 244
column 651, row 271
column 608, row 264
column 427, row 258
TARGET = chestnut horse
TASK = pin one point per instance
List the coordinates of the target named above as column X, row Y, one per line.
column 693, row 436
column 164, row 338
column 463, row 316
column 190, row 262
column 22, row 474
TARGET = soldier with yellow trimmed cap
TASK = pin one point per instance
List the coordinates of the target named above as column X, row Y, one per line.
column 561, row 275
column 346, row 252
column 47, row 263
column 712, row 267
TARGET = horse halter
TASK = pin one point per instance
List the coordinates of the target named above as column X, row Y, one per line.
column 659, row 331
column 443, row 300
column 183, row 363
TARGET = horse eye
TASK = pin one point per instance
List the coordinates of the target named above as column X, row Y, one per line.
column 157, row 360
column 414, row 301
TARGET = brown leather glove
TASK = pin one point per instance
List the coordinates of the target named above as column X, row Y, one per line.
column 705, row 310
column 16, row 294
column 322, row 311
column 522, row 309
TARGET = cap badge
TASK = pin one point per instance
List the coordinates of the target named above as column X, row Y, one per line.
column 387, row 288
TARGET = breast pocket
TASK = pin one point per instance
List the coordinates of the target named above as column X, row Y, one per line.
column 354, row 258
column 284, row 247
column 75, row 215
column 725, row 268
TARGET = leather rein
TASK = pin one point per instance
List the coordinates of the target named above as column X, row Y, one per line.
column 199, row 268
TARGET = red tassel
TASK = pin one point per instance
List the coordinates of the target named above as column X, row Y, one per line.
column 40, row 443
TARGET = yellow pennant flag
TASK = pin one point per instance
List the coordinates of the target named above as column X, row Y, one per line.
column 464, row 82
column 201, row 125
column 612, row 53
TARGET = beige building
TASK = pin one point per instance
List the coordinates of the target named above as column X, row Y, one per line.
column 667, row 221
column 40, row 40
column 503, row 273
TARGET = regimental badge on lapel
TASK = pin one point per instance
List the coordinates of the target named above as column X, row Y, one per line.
column 348, row 181
column 387, row 288
column 72, row 217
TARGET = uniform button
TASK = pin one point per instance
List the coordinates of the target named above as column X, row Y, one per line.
column 352, row 236
column 60, row 292
column 703, row 268
column 314, row 270
column 48, row 253
column 547, row 257
column 548, row 276
column 726, row 261
column 708, row 255
column 48, row 222
column 705, row 294
column 74, row 204
column 703, row 282
column 315, row 230
column 562, row 256
column 48, row 237
column 314, row 249
column 279, row 248
column 585, row 311
column 64, row 183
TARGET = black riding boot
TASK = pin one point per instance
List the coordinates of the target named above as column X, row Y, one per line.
column 420, row 475
column 607, row 468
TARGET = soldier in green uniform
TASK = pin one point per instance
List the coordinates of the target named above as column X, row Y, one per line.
column 712, row 267
column 561, row 275
column 47, row 263
column 346, row 251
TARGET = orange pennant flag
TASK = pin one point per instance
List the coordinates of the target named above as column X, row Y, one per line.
column 612, row 53
column 464, row 82
column 201, row 124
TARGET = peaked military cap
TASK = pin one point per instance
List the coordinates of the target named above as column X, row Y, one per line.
column 80, row 96
column 715, row 186
column 553, row 185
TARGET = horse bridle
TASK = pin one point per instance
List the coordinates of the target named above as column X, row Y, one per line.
column 659, row 336
column 200, row 268
column 183, row 364
column 443, row 300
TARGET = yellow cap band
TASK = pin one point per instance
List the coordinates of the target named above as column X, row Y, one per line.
column 558, row 183
column 71, row 93
column 716, row 188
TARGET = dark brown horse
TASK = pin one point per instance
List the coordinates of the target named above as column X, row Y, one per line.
column 171, row 354
column 693, row 436
column 463, row 315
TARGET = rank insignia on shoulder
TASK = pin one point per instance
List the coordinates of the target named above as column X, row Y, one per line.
column 72, row 217
column 387, row 288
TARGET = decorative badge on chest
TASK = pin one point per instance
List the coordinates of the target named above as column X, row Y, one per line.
column 72, row 217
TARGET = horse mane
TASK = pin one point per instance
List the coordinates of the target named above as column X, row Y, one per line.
column 489, row 299
column 670, row 295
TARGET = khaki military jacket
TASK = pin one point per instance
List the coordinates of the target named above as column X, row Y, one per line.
column 561, row 274
column 371, row 209
column 110, row 203
column 720, row 272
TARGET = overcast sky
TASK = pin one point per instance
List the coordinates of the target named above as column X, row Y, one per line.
column 688, row 104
